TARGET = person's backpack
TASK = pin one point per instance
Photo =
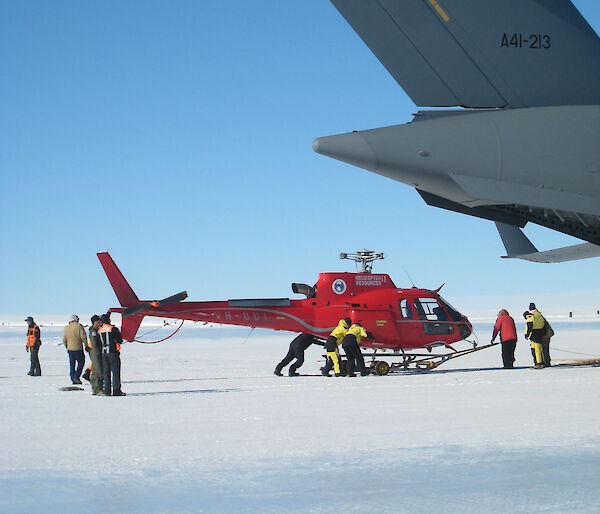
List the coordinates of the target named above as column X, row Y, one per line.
column 548, row 332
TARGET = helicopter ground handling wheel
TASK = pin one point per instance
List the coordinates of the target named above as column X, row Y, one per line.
column 380, row 368
column 419, row 362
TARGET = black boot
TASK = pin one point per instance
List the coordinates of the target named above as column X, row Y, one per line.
column 86, row 374
column 278, row 372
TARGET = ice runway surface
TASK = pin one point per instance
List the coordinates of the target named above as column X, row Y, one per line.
column 207, row 427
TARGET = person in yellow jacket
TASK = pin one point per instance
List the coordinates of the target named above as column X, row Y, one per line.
column 529, row 319
column 535, row 333
column 332, row 347
column 351, row 345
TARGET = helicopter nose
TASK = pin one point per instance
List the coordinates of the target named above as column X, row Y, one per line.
column 465, row 328
column 351, row 148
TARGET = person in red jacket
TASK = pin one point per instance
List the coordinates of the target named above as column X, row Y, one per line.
column 505, row 325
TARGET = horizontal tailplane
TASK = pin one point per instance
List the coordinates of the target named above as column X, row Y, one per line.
column 518, row 246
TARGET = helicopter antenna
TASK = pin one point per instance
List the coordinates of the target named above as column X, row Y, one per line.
column 410, row 278
column 364, row 257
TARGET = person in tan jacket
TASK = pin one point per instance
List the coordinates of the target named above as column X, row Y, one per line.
column 74, row 339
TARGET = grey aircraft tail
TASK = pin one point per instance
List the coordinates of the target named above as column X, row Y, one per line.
column 518, row 246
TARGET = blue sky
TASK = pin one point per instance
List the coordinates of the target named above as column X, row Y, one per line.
column 178, row 136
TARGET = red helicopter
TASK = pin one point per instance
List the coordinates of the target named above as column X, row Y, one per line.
column 398, row 319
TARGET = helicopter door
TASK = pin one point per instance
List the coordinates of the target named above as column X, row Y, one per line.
column 408, row 325
column 435, row 320
column 380, row 322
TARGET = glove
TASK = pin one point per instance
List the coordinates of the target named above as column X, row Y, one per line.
column 492, row 341
column 370, row 335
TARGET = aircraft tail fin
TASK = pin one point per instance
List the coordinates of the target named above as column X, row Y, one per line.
column 132, row 309
column 123, row 290
column 518, row 246
column 125, row 295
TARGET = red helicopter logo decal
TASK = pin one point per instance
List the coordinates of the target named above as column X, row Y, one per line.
column 398, row 319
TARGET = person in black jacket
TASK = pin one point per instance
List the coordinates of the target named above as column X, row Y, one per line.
column 297, row 348
column 351, row 346
column 95, row 350
column 111, row 339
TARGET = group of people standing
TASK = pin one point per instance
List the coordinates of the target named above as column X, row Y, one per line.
column 538, row 331
column 348, row 334
column 103, row 346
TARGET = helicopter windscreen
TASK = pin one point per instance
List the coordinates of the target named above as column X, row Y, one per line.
column 429, row 309
column 454, row 314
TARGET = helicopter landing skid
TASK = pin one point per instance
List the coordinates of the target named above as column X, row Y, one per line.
column 379, row 364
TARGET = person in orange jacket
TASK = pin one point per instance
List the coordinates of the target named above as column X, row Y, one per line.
column 34, row 341
column 505, row 326
column 111, row 339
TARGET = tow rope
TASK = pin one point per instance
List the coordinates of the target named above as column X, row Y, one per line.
column 164, row 338
column 575, row 353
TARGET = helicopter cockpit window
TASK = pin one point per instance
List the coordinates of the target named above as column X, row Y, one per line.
column 429, row 310
column 454, row 314
column 405, row 309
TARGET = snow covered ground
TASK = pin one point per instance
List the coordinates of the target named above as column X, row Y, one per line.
column 207, row 427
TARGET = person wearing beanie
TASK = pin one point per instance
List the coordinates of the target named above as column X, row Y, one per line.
column 529, row 319
column 34, row 341
column 74, row 339
column 536, row 325
column 332, row 347
column 351, row 346
column 95, row 351
column 111, row 339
